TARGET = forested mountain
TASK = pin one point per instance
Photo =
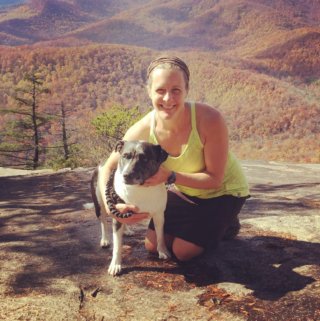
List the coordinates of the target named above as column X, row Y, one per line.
column 201, row 24
column 257, row 61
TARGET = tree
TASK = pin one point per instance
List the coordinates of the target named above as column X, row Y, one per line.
column 64, row 132
column 61, row 153
column 113, row 124
column 21, row 141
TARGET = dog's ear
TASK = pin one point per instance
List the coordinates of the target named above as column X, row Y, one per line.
column 119, row 146
column 162, row 154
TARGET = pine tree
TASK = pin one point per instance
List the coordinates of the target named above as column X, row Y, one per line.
column 21, row 143
column 112, row 124
column 62, row 152
column 64, row 132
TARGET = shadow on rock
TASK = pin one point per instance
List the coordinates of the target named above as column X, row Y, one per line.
column 264, row 264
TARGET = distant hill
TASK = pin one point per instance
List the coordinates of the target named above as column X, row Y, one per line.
column 298, row 56
column 52, row 19
column 268, row 118
column 202, row 24
column 242, row 28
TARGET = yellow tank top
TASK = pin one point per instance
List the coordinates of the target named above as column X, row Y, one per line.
column 191, row 160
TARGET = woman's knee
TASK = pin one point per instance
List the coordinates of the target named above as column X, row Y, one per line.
column 185, row 251
column 151, row 244
column 150, row 241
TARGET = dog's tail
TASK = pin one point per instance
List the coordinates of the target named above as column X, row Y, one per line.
column 93, row 185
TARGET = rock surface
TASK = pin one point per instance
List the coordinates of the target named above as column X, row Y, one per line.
column 52, row 267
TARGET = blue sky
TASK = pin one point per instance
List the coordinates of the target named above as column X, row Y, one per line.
column 8, row 2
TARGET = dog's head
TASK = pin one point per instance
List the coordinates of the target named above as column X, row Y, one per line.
column 139, row 160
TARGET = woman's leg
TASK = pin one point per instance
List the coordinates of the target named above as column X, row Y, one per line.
column 183, row 250
column 196, row 227
column 150, row 241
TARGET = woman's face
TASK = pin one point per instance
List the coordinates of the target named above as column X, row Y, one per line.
column 167, row 91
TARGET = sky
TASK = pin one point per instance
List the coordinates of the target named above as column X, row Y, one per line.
column 9, row 2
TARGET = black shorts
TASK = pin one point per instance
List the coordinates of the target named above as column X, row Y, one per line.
column 203, row 223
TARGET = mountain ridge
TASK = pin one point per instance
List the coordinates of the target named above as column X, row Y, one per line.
column 212, row 24
column 257, row 61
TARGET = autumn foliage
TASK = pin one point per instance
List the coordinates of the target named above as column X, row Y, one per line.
column 268, row 117
column 258, row 62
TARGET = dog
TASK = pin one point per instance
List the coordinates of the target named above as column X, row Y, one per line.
column 138, row 161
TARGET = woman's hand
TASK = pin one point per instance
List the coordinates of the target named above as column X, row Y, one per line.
column 161, row 176
column 134, row 218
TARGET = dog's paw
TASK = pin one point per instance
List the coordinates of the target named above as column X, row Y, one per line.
column 128, row 231
column 114, row 269
column 164, row 254
column 104, row 243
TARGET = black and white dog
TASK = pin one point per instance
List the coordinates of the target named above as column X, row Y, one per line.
column 139, row 160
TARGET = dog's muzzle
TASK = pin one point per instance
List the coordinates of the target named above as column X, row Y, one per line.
column 139, row 160
column 133, row 179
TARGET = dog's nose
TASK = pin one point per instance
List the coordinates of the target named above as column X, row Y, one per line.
column 127, row 177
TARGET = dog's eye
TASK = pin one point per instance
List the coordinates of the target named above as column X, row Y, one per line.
column 126, row 156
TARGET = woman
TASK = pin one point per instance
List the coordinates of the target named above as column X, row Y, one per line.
column 210, row 183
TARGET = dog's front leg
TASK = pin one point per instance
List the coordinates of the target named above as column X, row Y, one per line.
column 104, row 242
column 158, row 220
column 115, row 265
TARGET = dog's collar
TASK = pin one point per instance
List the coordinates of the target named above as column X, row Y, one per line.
column 172, row 178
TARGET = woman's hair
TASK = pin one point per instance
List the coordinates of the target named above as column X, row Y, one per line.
column 169, row 62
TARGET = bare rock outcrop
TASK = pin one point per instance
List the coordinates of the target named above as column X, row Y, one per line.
column 53, row 269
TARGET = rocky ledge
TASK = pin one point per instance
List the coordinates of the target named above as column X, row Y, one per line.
column 53, row 269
